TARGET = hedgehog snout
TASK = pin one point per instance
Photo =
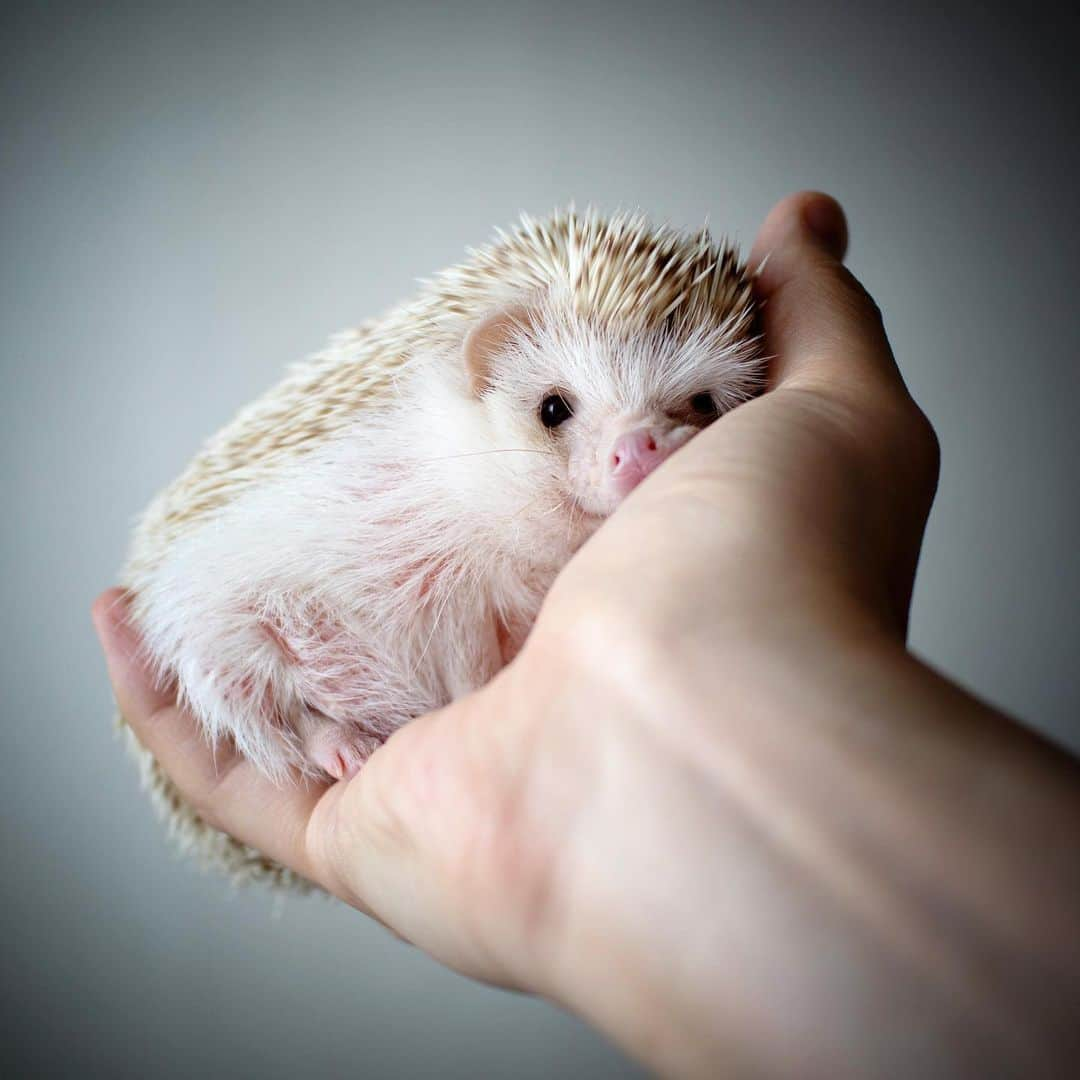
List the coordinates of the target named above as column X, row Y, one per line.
column 634, row 455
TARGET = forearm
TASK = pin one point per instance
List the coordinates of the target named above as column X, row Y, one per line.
column 860, row 865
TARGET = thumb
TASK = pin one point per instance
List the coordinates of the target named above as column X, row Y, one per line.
column 822, row 327
column 825, row 335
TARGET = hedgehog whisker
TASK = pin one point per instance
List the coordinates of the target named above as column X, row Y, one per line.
column 484, row 453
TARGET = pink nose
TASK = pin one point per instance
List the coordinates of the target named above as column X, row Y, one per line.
column 633, row 457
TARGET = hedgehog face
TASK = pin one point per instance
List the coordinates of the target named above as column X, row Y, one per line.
column 601, row 406
column 606, row 447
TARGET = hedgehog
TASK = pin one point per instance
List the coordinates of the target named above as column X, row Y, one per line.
column 374, row 536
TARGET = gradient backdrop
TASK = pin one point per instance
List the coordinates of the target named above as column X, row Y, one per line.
column 195, row 195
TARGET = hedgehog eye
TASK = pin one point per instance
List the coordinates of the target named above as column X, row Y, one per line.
column 554, row 409
column 704, row 405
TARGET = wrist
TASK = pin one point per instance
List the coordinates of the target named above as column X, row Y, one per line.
column 773, row 843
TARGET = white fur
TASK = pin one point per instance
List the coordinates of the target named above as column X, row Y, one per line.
column 368, row 579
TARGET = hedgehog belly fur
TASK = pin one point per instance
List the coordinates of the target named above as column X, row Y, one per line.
column 366, row 579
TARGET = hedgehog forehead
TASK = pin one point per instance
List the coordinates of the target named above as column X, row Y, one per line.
column 599, row 367
column 608, row 370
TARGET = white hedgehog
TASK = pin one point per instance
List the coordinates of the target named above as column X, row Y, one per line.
column 374, row 536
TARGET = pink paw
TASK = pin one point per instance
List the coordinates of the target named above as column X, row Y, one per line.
column 337, row 749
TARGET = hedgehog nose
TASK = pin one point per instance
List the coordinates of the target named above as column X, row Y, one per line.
column 634, row 455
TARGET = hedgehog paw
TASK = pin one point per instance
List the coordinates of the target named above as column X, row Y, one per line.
column 339, row 750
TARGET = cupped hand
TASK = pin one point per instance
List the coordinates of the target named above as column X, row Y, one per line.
column 648, row 815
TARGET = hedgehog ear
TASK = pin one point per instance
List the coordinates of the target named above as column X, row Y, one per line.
column 487, row 339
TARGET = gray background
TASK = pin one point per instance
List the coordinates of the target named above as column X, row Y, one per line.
column 194, row 196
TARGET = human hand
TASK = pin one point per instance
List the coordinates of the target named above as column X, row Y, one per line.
column 697, row 808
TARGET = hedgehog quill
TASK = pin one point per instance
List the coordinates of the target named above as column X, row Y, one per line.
column 374, row 537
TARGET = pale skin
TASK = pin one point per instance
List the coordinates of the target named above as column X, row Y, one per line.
column 714, row 806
